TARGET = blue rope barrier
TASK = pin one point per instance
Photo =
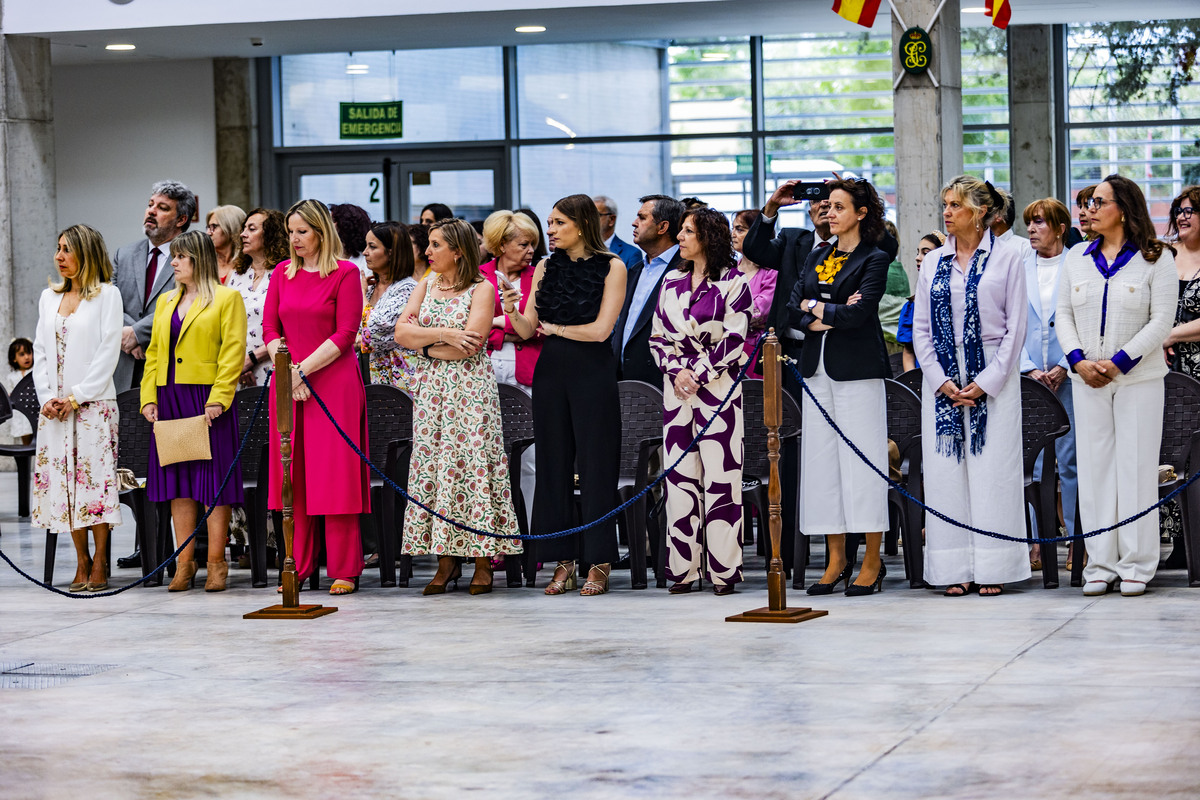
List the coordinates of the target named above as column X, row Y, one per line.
column 956, row 523
column 557, row 534
column 203, row 520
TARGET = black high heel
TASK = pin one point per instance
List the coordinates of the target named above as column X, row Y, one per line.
column 859, row 590
column 827, row 588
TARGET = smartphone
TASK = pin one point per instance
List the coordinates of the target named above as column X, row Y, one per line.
column 505, row 281
column 812, row 192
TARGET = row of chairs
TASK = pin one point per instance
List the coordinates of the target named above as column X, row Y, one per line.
column 390, row 428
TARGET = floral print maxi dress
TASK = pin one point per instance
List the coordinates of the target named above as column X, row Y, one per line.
column 75, row 474
column 458, row 464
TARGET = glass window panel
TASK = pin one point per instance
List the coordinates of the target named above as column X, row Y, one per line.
column 1091, row 68
column 471, row 193
column 1161, row 159
column 986, row 155
column 815, row 158
column 718, row 171
column 710, row 86
column 828, row 81
column 363, row 189
column 449, row 95
column 597, row 89
column 624, row 172
column 984, row 76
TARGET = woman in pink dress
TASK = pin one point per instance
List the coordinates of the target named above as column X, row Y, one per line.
column 315, row 303
column 762, row 286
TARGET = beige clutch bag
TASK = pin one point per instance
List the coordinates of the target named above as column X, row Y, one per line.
column 182, row 440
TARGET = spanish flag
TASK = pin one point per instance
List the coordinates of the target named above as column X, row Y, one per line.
column 860, row 11
column 999, row 12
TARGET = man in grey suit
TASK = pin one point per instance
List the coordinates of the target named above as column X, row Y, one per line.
column 142, row 271
column 608, row 230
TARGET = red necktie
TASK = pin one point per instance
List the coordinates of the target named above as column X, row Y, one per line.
column 151, row 271
column 822, row 244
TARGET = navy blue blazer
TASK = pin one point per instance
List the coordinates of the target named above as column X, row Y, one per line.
column 626, row 252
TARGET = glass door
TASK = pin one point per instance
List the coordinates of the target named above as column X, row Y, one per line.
column 469, row 188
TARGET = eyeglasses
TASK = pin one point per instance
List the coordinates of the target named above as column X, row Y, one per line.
column 1182, row 213
column 1097, row 203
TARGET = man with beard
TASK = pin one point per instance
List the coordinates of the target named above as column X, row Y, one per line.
column 142, row 271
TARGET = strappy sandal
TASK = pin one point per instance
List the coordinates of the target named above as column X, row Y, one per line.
column 344, row 586
column 594, row 587
column 996, row 589
column 567, row 583
column 960, row 589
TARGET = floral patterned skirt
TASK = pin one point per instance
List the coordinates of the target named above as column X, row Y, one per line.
column 75, row 472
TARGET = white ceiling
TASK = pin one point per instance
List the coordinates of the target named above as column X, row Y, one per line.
column 187, row 30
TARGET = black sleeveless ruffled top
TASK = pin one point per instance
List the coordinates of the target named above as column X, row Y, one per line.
column 571, row 291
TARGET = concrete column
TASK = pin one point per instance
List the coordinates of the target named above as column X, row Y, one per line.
column 237, row 167
column 928, row 124
column 1031, row 112
column 28, row 209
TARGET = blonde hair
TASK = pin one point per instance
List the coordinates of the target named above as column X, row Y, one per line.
column 199, row 248
column 317, row 217
column 87, row 245
column 981, row 198
column 503, row 226
column 460, row 237
column 230, row 219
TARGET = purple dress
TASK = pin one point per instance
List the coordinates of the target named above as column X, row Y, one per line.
column 198, row 480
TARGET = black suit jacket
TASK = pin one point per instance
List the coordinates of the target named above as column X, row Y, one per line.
column 636, row 363
column 854, row 349
column 785, row 254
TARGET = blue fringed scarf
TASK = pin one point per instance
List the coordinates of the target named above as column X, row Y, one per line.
column 947, row 418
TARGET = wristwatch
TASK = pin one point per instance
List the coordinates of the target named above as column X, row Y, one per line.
column 811, row 305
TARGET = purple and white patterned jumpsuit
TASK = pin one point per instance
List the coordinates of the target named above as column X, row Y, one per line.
column 704, row 330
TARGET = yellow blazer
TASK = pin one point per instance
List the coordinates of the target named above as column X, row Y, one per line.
column 211, row 349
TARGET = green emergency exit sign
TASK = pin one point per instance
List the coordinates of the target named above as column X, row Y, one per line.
column 371, row 120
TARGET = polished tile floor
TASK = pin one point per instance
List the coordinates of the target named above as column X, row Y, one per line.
column 1037, row 694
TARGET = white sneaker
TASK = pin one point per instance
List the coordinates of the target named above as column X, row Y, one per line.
column 1095, row 588
column 1133, row 588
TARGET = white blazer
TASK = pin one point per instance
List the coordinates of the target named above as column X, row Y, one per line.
column 93, row 346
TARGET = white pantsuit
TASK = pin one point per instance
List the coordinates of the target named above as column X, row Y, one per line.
column 1123, row 431
column 1123, row 318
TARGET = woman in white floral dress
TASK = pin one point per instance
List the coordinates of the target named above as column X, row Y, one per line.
column 76, row 347
column 264, row 244
column 458, row 464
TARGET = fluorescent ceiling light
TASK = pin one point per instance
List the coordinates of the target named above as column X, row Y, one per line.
column 120, row 47
column 975, row 10
column 530, row 29
column 714, row 56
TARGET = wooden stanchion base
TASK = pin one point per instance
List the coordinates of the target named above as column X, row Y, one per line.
column 784, row 615
column 294, row 612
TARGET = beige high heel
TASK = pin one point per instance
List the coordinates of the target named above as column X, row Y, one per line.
column 185, row 576
column 218, row 574
column 594, row 587
column 568, row 582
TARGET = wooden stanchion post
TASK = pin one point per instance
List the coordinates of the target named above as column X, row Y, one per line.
column 776, row 609
column 290, row 608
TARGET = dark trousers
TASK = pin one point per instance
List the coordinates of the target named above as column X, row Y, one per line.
column 576, row 425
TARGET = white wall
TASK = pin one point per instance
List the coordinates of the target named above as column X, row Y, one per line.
column 120, row 128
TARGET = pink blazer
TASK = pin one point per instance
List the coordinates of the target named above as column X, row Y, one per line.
column 528, row 350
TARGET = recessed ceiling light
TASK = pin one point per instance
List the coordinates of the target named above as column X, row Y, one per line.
column 530, row 29
column 120, row 47
column 357, row 69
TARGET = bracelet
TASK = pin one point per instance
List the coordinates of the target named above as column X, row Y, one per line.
column 253, row 358
column 72, row 401
column 425, row 351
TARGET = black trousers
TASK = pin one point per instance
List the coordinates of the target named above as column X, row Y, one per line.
column 576, row 425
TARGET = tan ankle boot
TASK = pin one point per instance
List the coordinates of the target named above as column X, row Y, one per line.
column 185, row 577
column 218, row 572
